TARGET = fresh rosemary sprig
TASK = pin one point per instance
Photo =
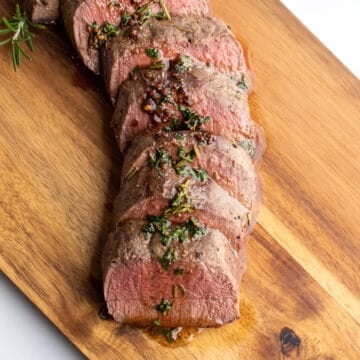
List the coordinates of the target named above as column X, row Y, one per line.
column 19, row 29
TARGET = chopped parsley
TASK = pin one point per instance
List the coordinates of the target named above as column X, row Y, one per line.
column 125, row 19
column 181, row 202
column 197, row 174
column 164, row 307
column 170, row 256
column 160, row 224
column 179, row 271
column 168, row 334
column 153, row 53
column 159, row 158
column 157, row 65
column 192, row 120
column 241, row 83
column 249, row 146
column 98, row 35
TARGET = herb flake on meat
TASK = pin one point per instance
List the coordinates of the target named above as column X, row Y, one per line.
column 153, row 53
column 99, row 35
column 181, row 202
column 248, row 145
column 159, row 158
column 164, row 307
column 170, row 256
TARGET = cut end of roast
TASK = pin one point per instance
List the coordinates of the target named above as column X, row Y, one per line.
column 205, row 294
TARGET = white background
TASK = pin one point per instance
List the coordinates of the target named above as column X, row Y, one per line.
column 25, row 333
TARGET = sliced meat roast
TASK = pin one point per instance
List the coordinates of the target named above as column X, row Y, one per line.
column 148, row 194
column 85, row 19
column 199, row 288
column 160, row 92
column 206, row 40
column 227, row 163
column 43, row 11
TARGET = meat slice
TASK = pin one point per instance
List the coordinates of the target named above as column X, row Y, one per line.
column 227, row 163
column 201, row 287
column 79, row 14
column 152, row 193
column 199, row 86
column 206, row 40
column 43, row 11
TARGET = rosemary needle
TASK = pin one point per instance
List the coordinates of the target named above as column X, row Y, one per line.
column 18, row 29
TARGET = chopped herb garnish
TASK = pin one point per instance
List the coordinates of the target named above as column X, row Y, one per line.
column 125, row 19
column 192, row 120
column 183, row 64
column 179, row 137
column 179, row 271
column 241, row 83
column 157, row 65
column 153, row 53
column 160, row 224
column 164, row 307
column 114, row 4
column 168, row 334
column 197, row 174
column 165, row 10
column 188, row 157
column 100, row 34
column 132, row 173
column 144, row 8
column 159, row 158
column 248, row 145
column 181, row 201
column 157, row 322
column 196, row 228
column 168, row 258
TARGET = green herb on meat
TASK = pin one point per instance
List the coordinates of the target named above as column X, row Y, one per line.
column 113, row 4
column 164, row 307
column 196, row 228
column 168, row 334
column 99, row 35
column 153, row 53
column 192, row 120
column 197, row 174
column 181, row 202
column 159, row 158
column 248, row 145
column 157, row 322
column 160, row 224
column 241, row 83
column 18, row 29
column 165, row 10
column 157, row 65
column 179, row 271
column 170, row 256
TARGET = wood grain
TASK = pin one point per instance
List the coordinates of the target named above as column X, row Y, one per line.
column 58, row 173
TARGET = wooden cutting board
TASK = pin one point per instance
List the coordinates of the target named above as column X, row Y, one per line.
column 58, row 174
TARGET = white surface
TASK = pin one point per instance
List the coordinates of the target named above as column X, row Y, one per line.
column 336, row 23
column 25, row 333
